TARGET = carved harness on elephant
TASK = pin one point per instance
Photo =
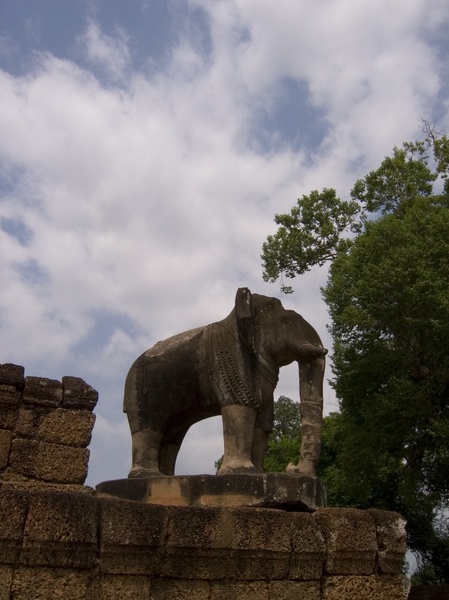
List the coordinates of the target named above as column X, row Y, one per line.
column 238, row 372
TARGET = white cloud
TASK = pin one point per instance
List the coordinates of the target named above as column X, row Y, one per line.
column 109, row 53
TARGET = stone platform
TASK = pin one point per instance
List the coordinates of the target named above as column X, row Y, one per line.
column 296, row 493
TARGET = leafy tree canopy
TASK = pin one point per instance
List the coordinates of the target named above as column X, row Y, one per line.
column 285, row 440
column 388, row 299
column 321, row 225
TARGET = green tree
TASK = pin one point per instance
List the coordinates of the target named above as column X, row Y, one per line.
column 285, row 439
column 388, row 299
column 311, row 234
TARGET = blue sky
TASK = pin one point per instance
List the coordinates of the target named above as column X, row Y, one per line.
column 145, row 147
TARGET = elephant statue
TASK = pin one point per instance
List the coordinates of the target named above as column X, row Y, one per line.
column 231, row 368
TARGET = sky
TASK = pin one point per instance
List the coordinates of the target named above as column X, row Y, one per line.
column 145, row 147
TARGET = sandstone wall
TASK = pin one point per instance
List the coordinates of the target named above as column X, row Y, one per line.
column 45, row 427
column 59, row 539
column 57, row 544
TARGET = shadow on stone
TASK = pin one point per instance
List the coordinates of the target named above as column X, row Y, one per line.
column 297, row 493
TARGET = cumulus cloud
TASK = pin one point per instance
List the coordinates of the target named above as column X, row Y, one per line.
column 135, row 204
column 109, row 53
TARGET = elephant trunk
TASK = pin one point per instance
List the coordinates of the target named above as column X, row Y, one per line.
column 311, row 373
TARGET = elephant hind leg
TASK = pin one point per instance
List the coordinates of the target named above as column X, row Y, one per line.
column 145, row 453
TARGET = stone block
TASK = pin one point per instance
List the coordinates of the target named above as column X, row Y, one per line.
column 5, row 447
column 132, row 537
column 72, row 427
column 294, row 590
column 179, row 589
column 198, row 544
column 13, row 510
column 26, row 425
column 308, row 549
column 65, row 426
column 350, row 539
column 12, row 375
column 39, row 583
column 213, row 542
column 48, row 462
column 262, row 542
column 124, row 587
column 391, row 541
column 240, row 590
column 261, row 529
column 6, row 573
column 41, row 391
column 374, row 587
column 78, row 394
column 8, row 415
column 60, row 530
column 9, row 395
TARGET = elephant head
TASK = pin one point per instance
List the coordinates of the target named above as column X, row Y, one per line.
column 272, row 337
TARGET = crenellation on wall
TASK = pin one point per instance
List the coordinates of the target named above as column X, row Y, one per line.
column 41, row 391
column 78, row 394
column 45, row 427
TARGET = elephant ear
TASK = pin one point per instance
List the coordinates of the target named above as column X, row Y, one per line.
column 243, row 313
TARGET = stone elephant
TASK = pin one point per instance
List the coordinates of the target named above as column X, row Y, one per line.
column 231, row 368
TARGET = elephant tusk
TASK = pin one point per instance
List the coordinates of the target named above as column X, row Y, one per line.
column 311, row 352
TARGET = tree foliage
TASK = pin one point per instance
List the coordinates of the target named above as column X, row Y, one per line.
column 310, row 235
column 388, row 299
column 285, row 440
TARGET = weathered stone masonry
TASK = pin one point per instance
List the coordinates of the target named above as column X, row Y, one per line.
column 45, row 427
column 59, row 539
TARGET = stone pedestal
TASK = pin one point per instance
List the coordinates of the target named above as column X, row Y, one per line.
column 268, row 490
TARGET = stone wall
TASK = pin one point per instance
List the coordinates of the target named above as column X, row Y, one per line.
column 60, row 539
column 45, row 427
column 57, row 544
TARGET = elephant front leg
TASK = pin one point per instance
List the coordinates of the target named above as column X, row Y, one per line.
column 145, row 453
column 238, row 434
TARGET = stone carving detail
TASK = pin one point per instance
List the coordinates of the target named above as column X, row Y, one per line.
column 230, row 368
